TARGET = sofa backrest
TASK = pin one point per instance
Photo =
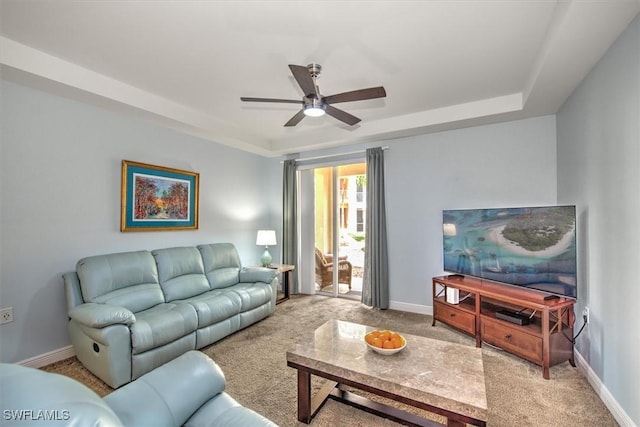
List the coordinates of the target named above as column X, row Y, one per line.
column 221, row 264
column 180, row 272
column 127, row 279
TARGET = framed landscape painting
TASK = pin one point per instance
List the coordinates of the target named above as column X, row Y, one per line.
column 156, row 198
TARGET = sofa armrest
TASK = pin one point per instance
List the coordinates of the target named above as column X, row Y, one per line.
column 29, row 394
column 101, row 315
column 257, row 274
column 169, row 395
column 72, row 290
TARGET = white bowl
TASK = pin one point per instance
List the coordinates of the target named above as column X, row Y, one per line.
column 387, row 351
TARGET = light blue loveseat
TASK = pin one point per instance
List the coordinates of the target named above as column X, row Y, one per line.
column 131, row 312
column 186, row 391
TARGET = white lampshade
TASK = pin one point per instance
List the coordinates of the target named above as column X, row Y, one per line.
column 266, row 238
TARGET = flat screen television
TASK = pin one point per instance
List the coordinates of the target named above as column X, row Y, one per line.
column 531, row 247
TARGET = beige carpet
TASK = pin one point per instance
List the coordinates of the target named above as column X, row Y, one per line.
column 254, row 364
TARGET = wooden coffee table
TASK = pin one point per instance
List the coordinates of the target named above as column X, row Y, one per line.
column 437, row 376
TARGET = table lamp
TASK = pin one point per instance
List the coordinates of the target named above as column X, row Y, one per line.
column 266, row 238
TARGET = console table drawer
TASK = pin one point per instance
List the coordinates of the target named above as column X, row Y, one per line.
column 457, row 318
column 512, row 340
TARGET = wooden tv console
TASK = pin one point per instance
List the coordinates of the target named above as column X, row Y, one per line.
column 546, row 341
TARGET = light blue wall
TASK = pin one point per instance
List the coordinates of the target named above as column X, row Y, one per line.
column 60, row 201
column 500, row 165
column 599, row 170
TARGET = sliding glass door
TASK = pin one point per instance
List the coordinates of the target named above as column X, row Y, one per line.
column 339, row 206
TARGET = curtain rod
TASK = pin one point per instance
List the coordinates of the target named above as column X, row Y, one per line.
column 333, row 155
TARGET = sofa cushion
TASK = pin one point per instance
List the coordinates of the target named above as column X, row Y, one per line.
column 234, row 417
column 223, row 277
column 209, row 413
column 252, row 294
column 215, row 306
column 221, row 264
column 128, row 279
column 223, row 411
column 180, row 272
column 162, row 324
column 170, row 394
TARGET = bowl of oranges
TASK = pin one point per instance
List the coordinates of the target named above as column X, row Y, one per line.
column 385, row 342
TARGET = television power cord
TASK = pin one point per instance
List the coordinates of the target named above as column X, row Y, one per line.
column 572, row 340
column 584, row 323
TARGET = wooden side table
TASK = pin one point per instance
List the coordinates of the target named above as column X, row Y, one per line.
column 285, row 270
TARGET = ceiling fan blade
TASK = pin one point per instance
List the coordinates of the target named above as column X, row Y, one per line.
column 343, row 116
column 356, row 95
column 286, row 101
column 295, row 119
column 304, row 79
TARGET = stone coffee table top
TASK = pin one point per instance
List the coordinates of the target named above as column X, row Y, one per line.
column 445, row 375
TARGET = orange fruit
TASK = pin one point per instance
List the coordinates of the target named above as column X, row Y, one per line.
column 396, row 341
column 377, row 342
column 388, row 344
column 384, row 335
column 369, row 338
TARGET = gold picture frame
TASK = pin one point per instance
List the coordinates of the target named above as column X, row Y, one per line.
column 158, row 198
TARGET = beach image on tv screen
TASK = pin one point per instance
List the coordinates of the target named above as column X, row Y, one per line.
column 530, row 247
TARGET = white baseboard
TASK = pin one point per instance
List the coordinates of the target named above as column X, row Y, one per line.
column 411, row 308
column 610, row 402
column 49, row 358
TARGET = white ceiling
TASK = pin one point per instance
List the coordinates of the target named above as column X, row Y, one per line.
column 444, row 64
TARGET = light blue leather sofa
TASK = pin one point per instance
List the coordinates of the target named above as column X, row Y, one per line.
column 188, row 391
column 131, row 312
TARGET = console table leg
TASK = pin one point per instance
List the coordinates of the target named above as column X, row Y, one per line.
column 545, row 372
column 285, row 284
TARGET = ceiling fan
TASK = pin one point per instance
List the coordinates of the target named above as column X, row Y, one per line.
column 314, row 104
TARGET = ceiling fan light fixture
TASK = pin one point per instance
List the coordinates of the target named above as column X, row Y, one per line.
column 314, row 108
column 314, row 111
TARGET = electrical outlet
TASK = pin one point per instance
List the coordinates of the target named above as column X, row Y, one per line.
column 6, row 315
column 585, row 314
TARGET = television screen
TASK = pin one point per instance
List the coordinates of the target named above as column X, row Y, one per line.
column 533, row 247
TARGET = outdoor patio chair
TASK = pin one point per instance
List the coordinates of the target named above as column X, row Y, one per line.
column 324, row 270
